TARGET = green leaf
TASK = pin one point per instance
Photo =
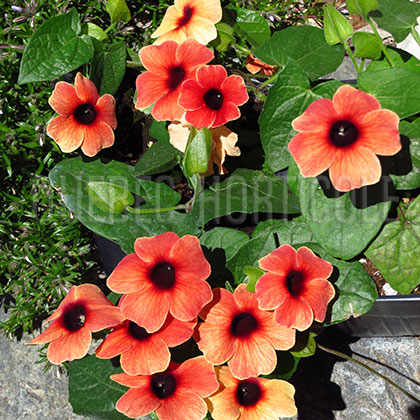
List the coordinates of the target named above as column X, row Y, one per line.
column 361, row 7
column 396, row 88
column 251, row 25
column 409, row 177
column 109, row 197
column 400, row 58
column 338, row 225
column 287, row 99
column 108, row 66
column 397, row 17
column 245, row 191
column 72, row 177
column 305, row 345
column 306, row 46
column 55, row 48
column 94, row 31
column 252, row 276
column 118, row 11
column 336, row 27
column 230, row 240
column 366, row 45
column 395, row 252
column 224, row 37
column 264, row 240
column 91, row 392
column 197, row 155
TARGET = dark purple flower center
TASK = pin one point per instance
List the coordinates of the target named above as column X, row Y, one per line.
column 74, row 317
column 186, row 17
column 248, row 393
column 343, row 133
column 176, row 76
column 213, row 99
column 139, row 333
column 294, row 282
column 163, row 275
column 243, row 324
column 163, row 385
column 85, row 114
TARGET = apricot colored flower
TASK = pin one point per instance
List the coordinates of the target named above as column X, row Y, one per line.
column 166, row 274
column 85, row 120
column 143, row 353
column 295, row 286
column 224, row 143
column 190, row 19
column 213, row 98
column 83, row 311
column 254, row 65
column 344, row 135
column 168, row 65
column 176, row 393
column 236, row 331
column 251, row 398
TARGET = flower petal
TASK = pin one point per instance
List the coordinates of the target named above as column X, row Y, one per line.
column 187, row 256
column 192, row 53
column 312, row 152
column 157, row 58
column 234, row 90
column 175, row 332
column 97, row 137
column 182, row 405
column 314, row 267
column 155, row 248
column 353, row 168
column 294, row 313
column 203, row 117
column 167, row 108
column 317, row 118
column 228, row 112
column 192, row 96
column 150, row 87
column 100, row 317
column 115, row 343
column 209, row 9
column 147, row 308
column 200, row 28
column 129, row 276
column 169, row 22
column 66, row 132
column 318, row 293
column 198, row 375
column 223, row 405
column 221, row 309
column 211, row 77
column 54, row 331
column 352, row 103
column 86, row 89
column 380, row 132
column 280, row 261
column 64, row 99
column 137, row 381
column 281, row 338
column 178, row 135
column 105, row 109
column 137, row 402
column 70, row 346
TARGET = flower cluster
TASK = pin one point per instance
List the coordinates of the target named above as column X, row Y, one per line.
column 163, row 292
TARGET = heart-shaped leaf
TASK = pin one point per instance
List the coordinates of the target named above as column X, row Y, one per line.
column 336, row 27
column 251, row 25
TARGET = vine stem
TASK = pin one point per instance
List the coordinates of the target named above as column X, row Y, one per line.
column 350, row 53
column 375, row 372
column 160, row 210
column 383, row 48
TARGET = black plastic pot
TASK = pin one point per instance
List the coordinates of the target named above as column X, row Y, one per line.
column 390, row 316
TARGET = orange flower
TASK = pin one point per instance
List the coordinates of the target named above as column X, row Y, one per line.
column 84, row 310
column 237, row 332
column 213, row 98
column 251, row 398
column 190, row 19
column 175, row 394
column 168, row 65
column 295, row 286
column 344, row 135
column 143, row 353
column 165, row 274
column 224, row 143
column 84, row 119
column 254, row 65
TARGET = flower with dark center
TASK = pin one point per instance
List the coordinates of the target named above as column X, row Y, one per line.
column 83, row 311
column 213, row 98
column 144, row 353
column 176, row 393
column 168, row 66
column 295, row 286
column 190, row 19
column 166, row 274
column 237, row 332
column 251, row 398
column 344, row 135
column 85, row 120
